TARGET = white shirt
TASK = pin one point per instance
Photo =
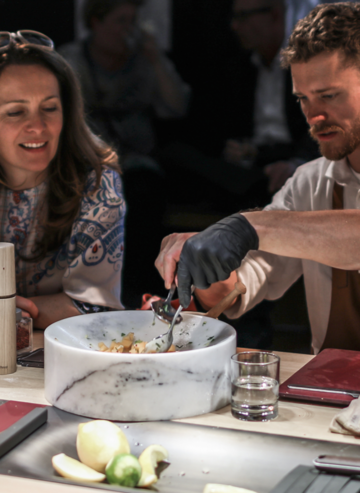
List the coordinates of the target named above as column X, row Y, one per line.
column 268, row 276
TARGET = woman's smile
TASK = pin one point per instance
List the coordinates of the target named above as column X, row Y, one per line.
column 33, row 145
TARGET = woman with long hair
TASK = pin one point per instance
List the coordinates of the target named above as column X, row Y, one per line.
column 61, row 201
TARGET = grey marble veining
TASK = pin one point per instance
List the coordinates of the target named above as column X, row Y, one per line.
column 138, row 387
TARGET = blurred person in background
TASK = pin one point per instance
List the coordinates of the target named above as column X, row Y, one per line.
column 274, row 132
column 61, row 196
column 247, row 134
column 127, row 83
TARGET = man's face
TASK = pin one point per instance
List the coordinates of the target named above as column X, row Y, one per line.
column 329, row 94
column 251, row 20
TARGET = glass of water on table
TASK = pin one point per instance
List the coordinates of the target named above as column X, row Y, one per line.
column 255, row 385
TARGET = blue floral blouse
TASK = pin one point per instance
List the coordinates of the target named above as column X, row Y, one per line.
column 88, row 265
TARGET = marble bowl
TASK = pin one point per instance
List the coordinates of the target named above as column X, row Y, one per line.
column 138, row 387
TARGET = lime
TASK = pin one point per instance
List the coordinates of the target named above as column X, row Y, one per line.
column 149, row 459
column 224, row 488
column 73, row 469
column 124, row 470
column 98, row 441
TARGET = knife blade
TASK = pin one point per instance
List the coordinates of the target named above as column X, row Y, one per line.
column 353, row 393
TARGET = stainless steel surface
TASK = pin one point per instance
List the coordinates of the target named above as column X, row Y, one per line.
column 335, row 464
column 326, row 390
column 197, row 454
column 162, row 343
column 163, row 309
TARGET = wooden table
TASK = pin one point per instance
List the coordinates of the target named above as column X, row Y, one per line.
column 295, row 419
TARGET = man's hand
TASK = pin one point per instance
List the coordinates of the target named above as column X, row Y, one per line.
column 212, row 255
column 168, row 258
column 278, row 173
column 28, row 307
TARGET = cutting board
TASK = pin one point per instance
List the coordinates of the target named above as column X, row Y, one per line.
column 336, row 369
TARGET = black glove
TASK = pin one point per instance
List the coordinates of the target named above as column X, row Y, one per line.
column 212, row 255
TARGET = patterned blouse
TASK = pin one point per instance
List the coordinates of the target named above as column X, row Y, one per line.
column 88, row 265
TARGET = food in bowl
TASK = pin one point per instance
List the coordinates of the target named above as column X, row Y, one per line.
column 128, row 345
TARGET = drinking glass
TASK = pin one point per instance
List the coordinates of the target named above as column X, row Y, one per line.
column 255, row 385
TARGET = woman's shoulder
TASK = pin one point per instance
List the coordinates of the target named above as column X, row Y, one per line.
column 109, row 192
column 110, row 181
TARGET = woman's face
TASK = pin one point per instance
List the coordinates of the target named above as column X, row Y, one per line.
column 31, row 120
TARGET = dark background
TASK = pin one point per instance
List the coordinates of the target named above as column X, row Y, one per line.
column 54, row 18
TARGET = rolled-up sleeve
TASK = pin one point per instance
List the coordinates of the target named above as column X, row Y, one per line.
column 265, row 276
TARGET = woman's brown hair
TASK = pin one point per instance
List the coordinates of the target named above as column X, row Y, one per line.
column 326, row 28
column 78, row 153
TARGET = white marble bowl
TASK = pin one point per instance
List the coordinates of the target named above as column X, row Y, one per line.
column 138, row 387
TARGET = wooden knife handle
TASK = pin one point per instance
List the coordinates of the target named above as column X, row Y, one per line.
column 217, row 310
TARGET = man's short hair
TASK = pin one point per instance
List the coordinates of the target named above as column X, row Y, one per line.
column 328, row 27
column 100, row 8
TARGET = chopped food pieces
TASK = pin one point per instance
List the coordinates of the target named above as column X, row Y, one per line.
column 138, row 347
column 127, row 345
column 115, row 347
column 124, row 470
column 71, row 468
column 149, row 460
column 127, row 341
column 98, row 441
column 224, row 488
column 124, row 346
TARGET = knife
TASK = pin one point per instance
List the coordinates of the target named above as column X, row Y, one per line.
column 353, row 393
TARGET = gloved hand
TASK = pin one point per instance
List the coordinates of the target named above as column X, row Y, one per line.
column 212, row 255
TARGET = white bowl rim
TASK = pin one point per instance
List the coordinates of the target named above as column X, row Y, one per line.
column 138, row 356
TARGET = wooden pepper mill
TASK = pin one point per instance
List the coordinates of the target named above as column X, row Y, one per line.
column 7, row 309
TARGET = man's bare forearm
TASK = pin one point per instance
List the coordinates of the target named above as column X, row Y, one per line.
column 53, row 307
column 328, row 237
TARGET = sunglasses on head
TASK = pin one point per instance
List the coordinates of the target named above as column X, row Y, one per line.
column 24, row 37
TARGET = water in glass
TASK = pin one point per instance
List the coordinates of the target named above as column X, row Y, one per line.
column 254, row 398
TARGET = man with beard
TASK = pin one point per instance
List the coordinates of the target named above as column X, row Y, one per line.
column 312, row 226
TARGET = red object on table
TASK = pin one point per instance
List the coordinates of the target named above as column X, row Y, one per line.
column 335, row 369
column 22, row 337
column 12, row 411
column 147, row 299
